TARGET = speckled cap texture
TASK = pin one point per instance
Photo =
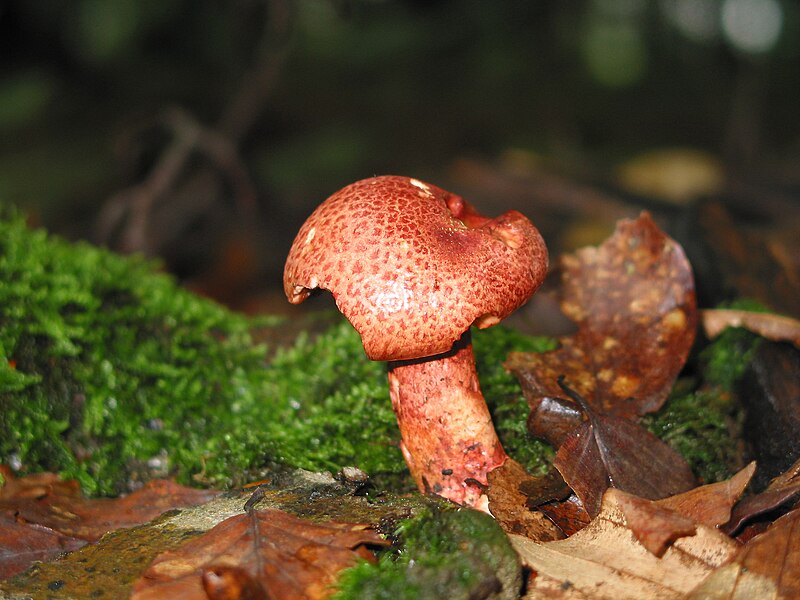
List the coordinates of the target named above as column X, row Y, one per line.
column 413, row 266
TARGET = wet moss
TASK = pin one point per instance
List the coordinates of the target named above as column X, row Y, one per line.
column 699, row 424
column 112, row 374
column 504, row 396
column 109, row 372
column 725, row 360
column 702, row 419
column 441, row 553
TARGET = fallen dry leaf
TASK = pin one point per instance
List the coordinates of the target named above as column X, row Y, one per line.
column 633, row 301
column 230, row 583
column 43, row 516
column 781, row 490
column 508, row 503
column 36, row 485
column 610, row 451
column 767, row 567
column 546, row 488
column 711, row 504
column 777, row 328
column 655, row 526
column 552, row 419
column 604, row 560
column 268, row 552
column 21, row 545
column 568, row 515
column 676, row 175
column 743, row 262
column 90, row 518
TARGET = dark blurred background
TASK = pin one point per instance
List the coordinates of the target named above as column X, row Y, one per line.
column 204, row 132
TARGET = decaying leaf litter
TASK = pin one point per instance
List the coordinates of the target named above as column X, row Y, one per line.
column 599, row 381
column 618, row 487
column 241, row 541
column 633, row 302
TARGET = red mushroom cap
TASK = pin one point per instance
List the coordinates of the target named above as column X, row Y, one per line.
column 413, row 266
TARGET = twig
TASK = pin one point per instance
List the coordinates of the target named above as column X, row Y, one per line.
column 130, row 211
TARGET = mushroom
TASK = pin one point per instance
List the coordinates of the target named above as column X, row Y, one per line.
column 412, row 267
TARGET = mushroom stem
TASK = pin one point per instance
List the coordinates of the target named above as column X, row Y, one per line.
column 447, row 436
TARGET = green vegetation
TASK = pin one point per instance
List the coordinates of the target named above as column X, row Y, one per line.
column 108, row 371
column 442, row 553
column 506, row 402
column 702, row 420
column 698, row 425
column 726, row 359
column 111, row 373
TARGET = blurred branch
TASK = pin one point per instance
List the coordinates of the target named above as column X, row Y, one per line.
column 247, row 104
column 127, row 216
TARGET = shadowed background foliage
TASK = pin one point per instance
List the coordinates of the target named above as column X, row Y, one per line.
column 204, row 132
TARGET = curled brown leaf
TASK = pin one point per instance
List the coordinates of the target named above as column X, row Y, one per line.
column 633, row 301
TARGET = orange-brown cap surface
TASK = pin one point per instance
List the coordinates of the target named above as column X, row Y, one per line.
column 413, row 266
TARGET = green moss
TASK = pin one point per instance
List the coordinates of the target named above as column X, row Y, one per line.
column 702, row 419
column 726, row 359
column 698, row 423
column 111, row 373
column 334, row 407
column 440, row 554
column 504, row 396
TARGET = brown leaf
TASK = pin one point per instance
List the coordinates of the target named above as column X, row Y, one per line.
column 230, row 583
column 37, row 485
column 549, row 487
column 267, row 551
column 768, row 566
column 784, row 488
column 551, row 419
column 21, row 545
column 610, row 451
column 711, row 504
column 655, row 526
column 510, row 505
column 89, row 519
column 604, row 560
column 777, row 328
column 569, row 515
column 633, row 301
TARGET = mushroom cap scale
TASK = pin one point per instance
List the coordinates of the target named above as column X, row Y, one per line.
column 412, row 266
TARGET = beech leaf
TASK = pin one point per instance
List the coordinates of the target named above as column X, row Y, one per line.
column 605, row 560
column 784, row 488
column 509, row 502
column 569, row 515
column 711, row 504
column 655, row 526
column 268, row 553
column 44, row 500
column 777, row 328
column 610, row 451
column 36, row 485
column 633, row 301
column 21, row 545
column 767, row 567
